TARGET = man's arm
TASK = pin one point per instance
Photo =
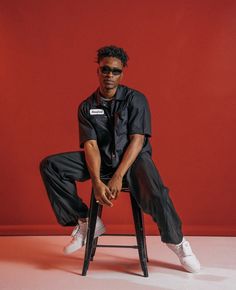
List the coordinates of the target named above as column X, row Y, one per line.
column 92, row 155
column 131, row 153
column 139, row 127
column 93, row 160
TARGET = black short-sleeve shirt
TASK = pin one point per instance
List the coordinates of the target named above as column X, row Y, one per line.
column 111, row 124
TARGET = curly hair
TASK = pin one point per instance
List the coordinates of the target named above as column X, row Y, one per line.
column 112, row 51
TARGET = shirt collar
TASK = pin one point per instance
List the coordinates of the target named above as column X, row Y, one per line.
column 119, row 96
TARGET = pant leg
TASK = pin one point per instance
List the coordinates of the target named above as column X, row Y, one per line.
column 152, row 195
column 59, row 173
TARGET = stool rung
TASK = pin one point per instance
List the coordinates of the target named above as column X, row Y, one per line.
column 117, row 246
column 131, row 235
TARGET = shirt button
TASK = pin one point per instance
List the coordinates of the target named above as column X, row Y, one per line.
column 113, row 155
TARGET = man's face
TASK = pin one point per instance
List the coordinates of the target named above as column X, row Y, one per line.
column 110, row 72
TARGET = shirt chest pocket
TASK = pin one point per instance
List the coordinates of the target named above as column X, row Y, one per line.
column 121, row 122
column 99, row 120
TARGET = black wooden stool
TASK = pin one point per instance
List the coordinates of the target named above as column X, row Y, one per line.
column 91, row 243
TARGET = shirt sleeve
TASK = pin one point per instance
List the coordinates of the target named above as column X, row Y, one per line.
column 86, row 129
column 139, row 116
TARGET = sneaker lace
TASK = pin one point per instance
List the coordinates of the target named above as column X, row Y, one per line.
column 75, row 231
column 184, row 249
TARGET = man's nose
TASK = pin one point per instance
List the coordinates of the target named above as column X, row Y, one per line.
column 110, row 74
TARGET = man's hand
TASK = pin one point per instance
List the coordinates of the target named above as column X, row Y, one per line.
column 115, row 185
column 131, row 153
column 102, row 193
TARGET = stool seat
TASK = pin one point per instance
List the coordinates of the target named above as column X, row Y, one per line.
column 91, row 243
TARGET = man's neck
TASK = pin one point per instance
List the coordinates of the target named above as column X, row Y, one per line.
column 108, row 94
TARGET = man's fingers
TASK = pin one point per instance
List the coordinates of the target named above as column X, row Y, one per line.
column 113, row 193
column 106, row 201
column 108, row 190
column 109, row 193
column 98, row 200
column 117, row 194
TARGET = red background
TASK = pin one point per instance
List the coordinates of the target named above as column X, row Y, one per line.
column 182, row 57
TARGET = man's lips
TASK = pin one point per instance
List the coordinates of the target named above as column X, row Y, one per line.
column 109, row 81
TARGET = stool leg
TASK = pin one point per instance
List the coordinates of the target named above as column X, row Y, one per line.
column 95, row 241
column 90, row 234
column 144, row 236
column 137, row 215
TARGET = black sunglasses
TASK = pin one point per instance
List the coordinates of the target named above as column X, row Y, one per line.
column 106, row 70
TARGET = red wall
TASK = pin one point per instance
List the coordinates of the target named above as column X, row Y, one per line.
column 182, row 57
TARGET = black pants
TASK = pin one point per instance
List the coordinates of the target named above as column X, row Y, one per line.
column 60, row 171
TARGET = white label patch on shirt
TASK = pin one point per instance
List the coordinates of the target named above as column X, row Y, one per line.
column 96, row 112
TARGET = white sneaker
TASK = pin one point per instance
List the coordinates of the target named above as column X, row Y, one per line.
column 79, row 235
column 186, row 256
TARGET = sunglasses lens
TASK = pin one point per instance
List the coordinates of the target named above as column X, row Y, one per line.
column 106, row 70
column 117, row 71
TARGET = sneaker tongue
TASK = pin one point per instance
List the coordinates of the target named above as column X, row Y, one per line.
column 187, row 249
column 75, row 231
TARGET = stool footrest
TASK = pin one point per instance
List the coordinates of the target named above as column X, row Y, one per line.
column 126, row 235
column 117, row 246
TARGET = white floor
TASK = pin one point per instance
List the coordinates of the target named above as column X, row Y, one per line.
column 37, row 263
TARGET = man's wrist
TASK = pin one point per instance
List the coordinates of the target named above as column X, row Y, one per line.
column 95, row 179
column 118, row 175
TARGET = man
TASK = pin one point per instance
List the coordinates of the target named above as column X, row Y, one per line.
column 115, row 127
